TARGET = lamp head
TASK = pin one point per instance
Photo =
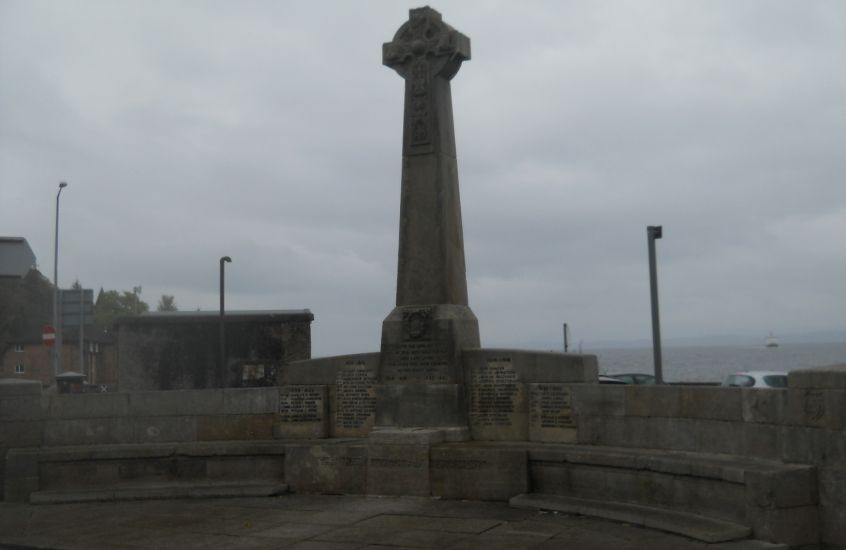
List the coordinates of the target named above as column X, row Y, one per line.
column 225, row 259
column 62, row 185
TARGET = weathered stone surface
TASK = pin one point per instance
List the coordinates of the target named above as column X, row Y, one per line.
column 478, row 474
column 176, row 403
column 303, row 412
column 155, row 429
column 819, row 408
column 88, row 431
column 225, row 428
column 427, row 53
column 408, row 405
column 22, row 407
column 831, row 377
column 89, row 405
column 398, row 470
column 599, row 400
column 323, row 370
column 250, row 400
column 833, row 525
column 652, row 401
column 406, row 436
column 714, row 403
column 335, row 468
column 352, row 398
column 792, row 526
column 782, row 488
column 551, row 414
column 13, row 387
column 536, row 366
column 497, row 401
column 766, row 407
column 762, row 441
column 716, row 436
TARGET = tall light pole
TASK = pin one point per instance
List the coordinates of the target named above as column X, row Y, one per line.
column 57, row 350
column 222, row 360
column 655, row 232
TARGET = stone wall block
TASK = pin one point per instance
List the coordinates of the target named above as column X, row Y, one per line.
column 711, row 403
column 833, row 526
column 156, row 429
column 322, row 469
column 832, row 486
column 781, row 489
column 239, row 427
column 764, row 406
column 762, row 441
column 478, row 474
column 250, row 400
column 21, row 433
column 23, row 407
column 804, row 445
column 792, row 526
column 176, row 403
column 19, row 388
column 716, row 436
column 653, row 401
column 88, row 431
column 819, row 408
column 89, row 405
column 599, row 400
column 831, row 377
column 398, row 470
column 678, row 434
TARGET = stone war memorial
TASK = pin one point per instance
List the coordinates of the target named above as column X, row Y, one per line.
column 435, row 414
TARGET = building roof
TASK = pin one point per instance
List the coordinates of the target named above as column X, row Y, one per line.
column 266, row 315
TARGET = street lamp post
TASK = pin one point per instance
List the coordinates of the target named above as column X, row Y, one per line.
column 222, row 359
column 655, row 232
column 57, row 350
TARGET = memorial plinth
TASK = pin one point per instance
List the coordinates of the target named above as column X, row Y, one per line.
column 421, row 377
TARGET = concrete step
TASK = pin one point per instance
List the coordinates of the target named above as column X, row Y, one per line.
column 688, row 525
column 160, row 491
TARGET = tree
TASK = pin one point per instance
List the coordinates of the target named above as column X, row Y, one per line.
column 167, row 303
column 111, row 305
column 25, row 306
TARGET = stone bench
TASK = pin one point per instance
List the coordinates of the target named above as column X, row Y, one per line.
column 135, row 471
column 769, row 500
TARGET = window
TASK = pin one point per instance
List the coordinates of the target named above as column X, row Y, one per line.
column 776, row 380
column 19, row 348
column 19, row 369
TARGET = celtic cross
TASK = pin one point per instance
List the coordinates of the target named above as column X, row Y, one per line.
column 427, row 53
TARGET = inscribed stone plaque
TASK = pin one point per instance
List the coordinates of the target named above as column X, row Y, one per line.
column 355, row 400
column 497, row 404
column 421, row 354
column 551, row 416
column 303, row 412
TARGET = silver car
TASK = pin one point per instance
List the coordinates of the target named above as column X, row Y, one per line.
column 756, row 379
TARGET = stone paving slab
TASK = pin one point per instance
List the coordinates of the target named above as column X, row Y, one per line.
column 298, row 522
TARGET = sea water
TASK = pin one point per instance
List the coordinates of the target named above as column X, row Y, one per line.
column 714, row 363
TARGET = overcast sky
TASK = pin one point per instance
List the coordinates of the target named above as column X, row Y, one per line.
column 269, row 131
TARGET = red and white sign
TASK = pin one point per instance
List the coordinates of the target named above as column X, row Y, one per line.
column 48, row 336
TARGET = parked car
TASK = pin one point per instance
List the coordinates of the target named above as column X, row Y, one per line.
column 756, row 379
column 634, row 378
column 609, row 380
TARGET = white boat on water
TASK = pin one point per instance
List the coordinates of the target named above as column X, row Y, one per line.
column 771, row 341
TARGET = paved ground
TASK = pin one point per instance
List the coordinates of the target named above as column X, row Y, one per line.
column 321, row 523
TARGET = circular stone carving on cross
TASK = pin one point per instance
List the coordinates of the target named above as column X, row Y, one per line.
column 425, row 37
